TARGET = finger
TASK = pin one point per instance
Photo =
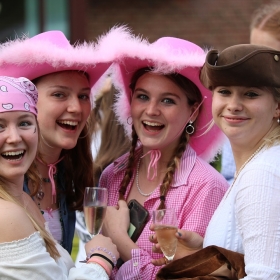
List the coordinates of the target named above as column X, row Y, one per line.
column 156, row 249
column 152, row 227
column 158, row 262
column 153, row 238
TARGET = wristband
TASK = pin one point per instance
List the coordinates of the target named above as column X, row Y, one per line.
column 103, row 257
column 101, row 263
column 105, row 250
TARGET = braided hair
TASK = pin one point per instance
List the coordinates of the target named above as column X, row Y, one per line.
column 193, row 96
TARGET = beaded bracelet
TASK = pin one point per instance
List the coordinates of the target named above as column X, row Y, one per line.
column 101, row 263
column 105, row 250
column 103, row 257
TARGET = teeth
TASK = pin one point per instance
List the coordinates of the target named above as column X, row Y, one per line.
column 13, row 153
column 69, row 122
column 151, row 123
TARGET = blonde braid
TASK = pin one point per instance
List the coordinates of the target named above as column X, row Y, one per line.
column 171, row 168
column 129, row 169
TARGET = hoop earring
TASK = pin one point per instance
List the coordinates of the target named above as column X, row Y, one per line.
column 190, row 128
column 128, row 120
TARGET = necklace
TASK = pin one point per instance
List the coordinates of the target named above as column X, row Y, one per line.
column 242, row 167
column 137, row 181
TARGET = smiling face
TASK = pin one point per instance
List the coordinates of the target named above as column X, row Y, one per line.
column 159, row 110
column 63, row 108
column 18, row 143
column 244, row 114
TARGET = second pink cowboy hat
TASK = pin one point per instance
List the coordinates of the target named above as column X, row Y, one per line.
column 47, row 53
column 166, row 55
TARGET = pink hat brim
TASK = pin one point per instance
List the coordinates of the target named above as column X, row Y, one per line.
column 167, row 55
column 50, row 52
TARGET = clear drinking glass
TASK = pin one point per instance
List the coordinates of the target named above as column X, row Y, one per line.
column 166, row 225
column 95, row 204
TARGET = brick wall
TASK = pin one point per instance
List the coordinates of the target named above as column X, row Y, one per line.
column 218, row 23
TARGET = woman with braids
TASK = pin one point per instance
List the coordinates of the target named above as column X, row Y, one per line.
column 64, row 76
column 166, row 110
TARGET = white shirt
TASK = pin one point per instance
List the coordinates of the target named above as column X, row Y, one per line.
column 27, row 259
column 248, row 218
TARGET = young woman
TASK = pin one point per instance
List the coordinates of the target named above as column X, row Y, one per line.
column 246, row 106
column 163, row 103
column 27, row 250
column 64, row 76
column 265, row 31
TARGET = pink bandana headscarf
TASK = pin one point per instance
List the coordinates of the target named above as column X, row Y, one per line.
column 17, row 94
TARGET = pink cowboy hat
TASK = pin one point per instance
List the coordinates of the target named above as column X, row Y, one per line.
column 166, row 55
column 47, row 53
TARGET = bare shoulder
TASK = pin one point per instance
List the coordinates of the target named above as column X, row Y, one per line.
column 14, row 222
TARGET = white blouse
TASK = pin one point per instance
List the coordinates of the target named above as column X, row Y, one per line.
column 27, row 259
column 248, row 218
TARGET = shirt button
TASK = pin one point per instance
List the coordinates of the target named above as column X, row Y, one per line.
column 135, row 264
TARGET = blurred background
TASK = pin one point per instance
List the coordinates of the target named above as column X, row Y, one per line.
column 208, row 23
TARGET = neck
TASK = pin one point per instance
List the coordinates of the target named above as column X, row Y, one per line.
column 49, row 155
column 241, row 155
column 14, row 187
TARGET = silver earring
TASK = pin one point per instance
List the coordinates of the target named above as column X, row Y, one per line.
column 190, row 128
column 129, row 120
column 278, row 120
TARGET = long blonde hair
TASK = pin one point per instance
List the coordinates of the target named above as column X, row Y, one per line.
column 49, row 241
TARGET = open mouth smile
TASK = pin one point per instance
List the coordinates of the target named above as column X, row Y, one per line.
column 13, row 156
column 152, row 126
column 69, row 125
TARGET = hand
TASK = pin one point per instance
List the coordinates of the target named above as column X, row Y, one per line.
column 103, row 242
column 116, row 221
column 189, row 243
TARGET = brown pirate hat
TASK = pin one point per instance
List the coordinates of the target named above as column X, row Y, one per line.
column 242, row 65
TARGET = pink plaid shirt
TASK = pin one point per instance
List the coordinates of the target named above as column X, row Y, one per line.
column 196, row 191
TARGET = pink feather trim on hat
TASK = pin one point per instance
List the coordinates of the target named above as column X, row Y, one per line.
column 50, row 52
column 166, row 55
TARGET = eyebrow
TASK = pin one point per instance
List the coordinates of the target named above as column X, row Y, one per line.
column 28, row 115
column 163, row 93
column 67, row 88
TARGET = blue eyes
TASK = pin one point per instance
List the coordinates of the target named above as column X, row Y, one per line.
column 144, row 97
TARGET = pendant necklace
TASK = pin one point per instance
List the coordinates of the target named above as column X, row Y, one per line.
column 242, row 167
column 137, row 181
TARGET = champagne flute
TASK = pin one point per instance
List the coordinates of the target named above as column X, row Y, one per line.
column 165, row 222
column 95, row 204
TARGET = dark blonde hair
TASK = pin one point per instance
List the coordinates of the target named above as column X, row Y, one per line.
column 193, row 96
column 267, row 18
column 114, row 142
column 33, row 175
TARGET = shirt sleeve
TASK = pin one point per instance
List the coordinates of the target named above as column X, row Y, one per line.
column 201, row 205
column 258, row 220
column 91, row 271
column 138, row 268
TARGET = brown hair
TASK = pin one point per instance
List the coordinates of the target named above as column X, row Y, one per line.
column 78, row 166
column 194, row 96
column 267, row 18
column 114, row 142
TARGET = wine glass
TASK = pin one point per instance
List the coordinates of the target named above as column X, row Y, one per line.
column 165, row 222
column 95, row 204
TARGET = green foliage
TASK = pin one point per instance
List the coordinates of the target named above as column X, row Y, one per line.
column 75, row 247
